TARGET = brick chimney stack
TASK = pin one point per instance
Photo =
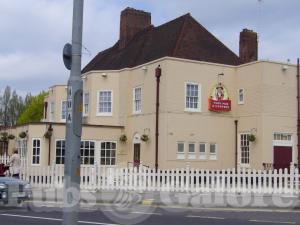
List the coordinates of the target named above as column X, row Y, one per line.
column 132, row 21
column 248, row 46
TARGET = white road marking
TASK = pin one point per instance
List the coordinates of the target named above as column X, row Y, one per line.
column 54, row 219
column 145, row 213
column 268, row 221
column 205, row 217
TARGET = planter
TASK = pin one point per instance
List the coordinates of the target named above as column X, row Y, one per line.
column 145, row 138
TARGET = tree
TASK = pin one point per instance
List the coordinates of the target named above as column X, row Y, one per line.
column 34, row 111
column 5, row 105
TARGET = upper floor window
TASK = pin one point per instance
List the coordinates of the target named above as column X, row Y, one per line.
column 180, row 151
column 36, row 151
column 86, row 100
column 52, row 111
column 241, row 96
column 108, row 153
column 105, row 101
column 192, row 97
column 63, row 110
column 137, row 100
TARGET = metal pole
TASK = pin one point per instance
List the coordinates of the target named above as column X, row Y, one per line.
column 236, row 144
column 298, row 113
column 157, row 75
column 73, row 123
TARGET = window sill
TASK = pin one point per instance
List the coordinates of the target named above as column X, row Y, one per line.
column 192, row 110
column 137, row 113
column 104, row 114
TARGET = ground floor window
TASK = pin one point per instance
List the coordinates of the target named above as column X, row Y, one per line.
column 192, row 153
column 244, row 148
column 22, row 147
column 108, row 153
column 36, row 150
column 60, row 151
column 87, row 150
column 213, row 151
column 180, row 150
column 202, row 151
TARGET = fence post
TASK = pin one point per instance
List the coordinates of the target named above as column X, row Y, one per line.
column 292, row 177
column 187, row 178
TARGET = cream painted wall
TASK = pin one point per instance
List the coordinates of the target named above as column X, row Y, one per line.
column 270, row 106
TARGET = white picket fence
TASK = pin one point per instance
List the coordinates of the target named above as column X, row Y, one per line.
column 172, row 180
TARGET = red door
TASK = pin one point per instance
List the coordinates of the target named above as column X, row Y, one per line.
column 282, row 157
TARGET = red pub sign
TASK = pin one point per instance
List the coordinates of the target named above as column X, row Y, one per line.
column 219, row 100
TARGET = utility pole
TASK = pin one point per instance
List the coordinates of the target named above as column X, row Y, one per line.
column 73, row 120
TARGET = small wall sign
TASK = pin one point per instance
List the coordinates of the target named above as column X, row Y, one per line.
column 219, row 100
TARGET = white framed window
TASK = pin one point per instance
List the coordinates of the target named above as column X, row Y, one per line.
column 22, row 147
column 137, row 100
column 86, row 101
column 241, row 96
column 202, row 151
column 87, row 151
column 104, row 103
column 52, row 110
column 192, row 152
column 63, row 110
column 108, row 153
column 244, row 149
column 180, row 150
column 192, row 97
column 36, row 151
column 212, row 151
column 60, row 148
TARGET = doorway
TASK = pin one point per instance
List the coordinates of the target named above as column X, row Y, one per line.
column 282, row 157
column 136, row 154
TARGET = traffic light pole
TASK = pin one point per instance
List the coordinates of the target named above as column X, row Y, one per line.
column 73, row 123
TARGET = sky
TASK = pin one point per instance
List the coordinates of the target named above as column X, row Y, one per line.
column 33, row 32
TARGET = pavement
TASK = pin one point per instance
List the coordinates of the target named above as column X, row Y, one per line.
column 182, row 199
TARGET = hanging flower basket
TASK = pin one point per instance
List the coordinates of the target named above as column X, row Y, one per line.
column 123, row 138
column 48, row 133
column 145, row 138
column 11, row 137
column 4, row 137
column 252, row 137
column 22, row 134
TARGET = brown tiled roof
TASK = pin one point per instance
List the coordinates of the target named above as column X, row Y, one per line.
column 183, row 38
